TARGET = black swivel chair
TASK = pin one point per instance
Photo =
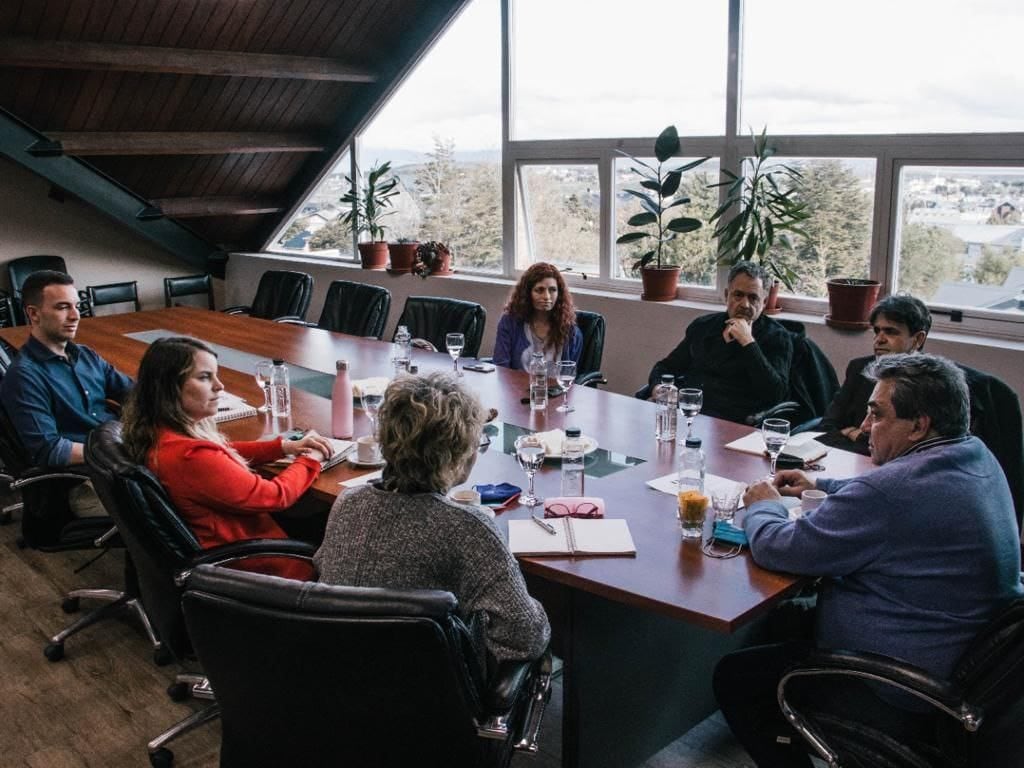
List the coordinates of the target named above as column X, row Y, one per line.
column 21, row 268
column 355, row 308
column 189, row 285
column 164, row 548
column 979, row 711
column 431, row 318
column 281, row 294
column 588, row 370
column 316, row 674
column 113, row 293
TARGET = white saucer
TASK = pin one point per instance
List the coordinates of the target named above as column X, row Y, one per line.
column 355, row 462
column 589, row 446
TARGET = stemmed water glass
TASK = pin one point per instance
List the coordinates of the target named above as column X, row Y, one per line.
column 530, row 453
column 372, row 398
column 565, row 372
column 775, row 433
column 454, row 342
column 262, row 377
column 690, row 402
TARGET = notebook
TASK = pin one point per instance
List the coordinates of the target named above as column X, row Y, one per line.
column 342, row 448
column 231, row 407
column 802, row 447
column 573, row 536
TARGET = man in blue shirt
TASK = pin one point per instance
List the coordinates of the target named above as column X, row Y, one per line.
column 56, row 391
column 915, row 557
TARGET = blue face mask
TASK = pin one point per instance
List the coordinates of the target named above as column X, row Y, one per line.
column 726, row 541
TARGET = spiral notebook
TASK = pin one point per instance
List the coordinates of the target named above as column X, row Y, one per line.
column 231, row 407
column 572, row 536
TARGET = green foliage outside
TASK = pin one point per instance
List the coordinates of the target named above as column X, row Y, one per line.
column 929, row 256
column 995, row 263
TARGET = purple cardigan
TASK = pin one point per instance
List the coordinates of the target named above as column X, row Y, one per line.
column 511, row 341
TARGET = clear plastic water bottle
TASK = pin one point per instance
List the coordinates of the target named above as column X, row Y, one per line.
column 402, row 352
column 341, row 402
column 538, row 382
column 572, row 463
column 693, row 502
column 666, row 395
column 280, row 390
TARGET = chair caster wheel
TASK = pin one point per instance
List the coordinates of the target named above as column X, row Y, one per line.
column 162, row 657
column 70, row 605
column 161, row 758
column 54, row 651
column 178, row 691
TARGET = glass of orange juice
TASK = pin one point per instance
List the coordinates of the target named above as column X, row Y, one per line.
column 693, row 505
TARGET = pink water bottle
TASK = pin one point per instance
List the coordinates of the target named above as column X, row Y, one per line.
column 341, row 402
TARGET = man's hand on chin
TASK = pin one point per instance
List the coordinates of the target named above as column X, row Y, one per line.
column 738, row 329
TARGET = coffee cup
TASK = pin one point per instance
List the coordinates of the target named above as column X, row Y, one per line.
column 810, row 499
column 466, row 496
column 367, row 450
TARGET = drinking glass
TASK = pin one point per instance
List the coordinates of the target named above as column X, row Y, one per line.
column 530, row 453
column 455, row 342
column 775, row 433
column 372, row 398
column 262, row 377
column 690, row 403
column 565, row 372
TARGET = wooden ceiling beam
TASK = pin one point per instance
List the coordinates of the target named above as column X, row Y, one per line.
column 196, row 207
column 126, row 143
column 66, row 54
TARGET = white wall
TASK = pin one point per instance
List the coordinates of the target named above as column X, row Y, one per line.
column 96, row 248
column 639, row 332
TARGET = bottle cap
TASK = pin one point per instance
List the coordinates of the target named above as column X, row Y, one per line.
column 668, row 378
column 278, row 361
column 414, row 369
column 341, row 365
column 693, row 442
column 572, row 432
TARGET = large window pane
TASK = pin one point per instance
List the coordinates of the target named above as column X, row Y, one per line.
column 693, row 251
column 315, row 228
column 839, row 194
column 597, row 68
column 916, row 66
column 961, row 237
column 559, row 207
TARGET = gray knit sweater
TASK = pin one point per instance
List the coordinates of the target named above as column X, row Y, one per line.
column 377, row 538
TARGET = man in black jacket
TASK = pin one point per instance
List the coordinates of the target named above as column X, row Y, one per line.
column 740, row 358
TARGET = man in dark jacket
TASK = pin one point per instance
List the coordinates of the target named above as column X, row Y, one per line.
column 740, row 358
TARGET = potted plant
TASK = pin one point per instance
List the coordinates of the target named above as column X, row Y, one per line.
column 658, row 194
column 367, row 207
column 403, row 256
column 433, row 258
column 850, row 301
column 767, row 208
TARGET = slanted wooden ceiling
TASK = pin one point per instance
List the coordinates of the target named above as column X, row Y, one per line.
column 218, row 112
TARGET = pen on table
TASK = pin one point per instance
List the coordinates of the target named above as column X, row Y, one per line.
column 546, row 526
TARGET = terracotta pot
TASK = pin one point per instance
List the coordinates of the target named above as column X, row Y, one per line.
column 850, row 301
column 374, row 255
column 771, row 306
column 660, row 283
column 403, row 256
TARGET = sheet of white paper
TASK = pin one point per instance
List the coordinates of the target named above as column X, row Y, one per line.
column 369, row 477
column 712, row 483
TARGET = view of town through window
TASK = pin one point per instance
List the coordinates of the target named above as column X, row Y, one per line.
column 559, row 213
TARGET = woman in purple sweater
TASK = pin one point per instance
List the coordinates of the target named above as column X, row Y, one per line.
column 539, row 317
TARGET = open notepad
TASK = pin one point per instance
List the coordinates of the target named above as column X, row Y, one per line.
column 231, row 407
column 573, row 536
column 802, row 446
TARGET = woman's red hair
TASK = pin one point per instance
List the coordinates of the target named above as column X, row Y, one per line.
column 562, row 315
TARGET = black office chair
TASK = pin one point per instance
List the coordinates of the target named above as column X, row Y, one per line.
column 113, row 293
column 431, row 318
column 8, row 317
column 355, row 308
column 20, row 268
column 163, row 548
column 189, row 285
column 588, row 370
column 316, row 674
column 979, row 711
column 281, row 294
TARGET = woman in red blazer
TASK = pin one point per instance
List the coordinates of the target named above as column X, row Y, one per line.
column 168, row 426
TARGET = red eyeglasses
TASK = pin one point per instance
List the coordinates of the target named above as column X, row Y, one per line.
column 582, row 509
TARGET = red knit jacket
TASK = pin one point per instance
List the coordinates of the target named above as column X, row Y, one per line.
column 224, row 501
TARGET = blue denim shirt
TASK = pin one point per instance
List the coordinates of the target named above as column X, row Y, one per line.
column 53, row 401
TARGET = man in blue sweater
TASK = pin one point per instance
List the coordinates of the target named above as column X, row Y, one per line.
column 915, row 557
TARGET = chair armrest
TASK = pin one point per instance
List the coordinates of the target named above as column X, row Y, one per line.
column 48, row 475
column 507, row 685
column 241, row 309
column 239, row 550
column 644, row 393
column 886, row 670
column 807, row 426
column 293, row 320
column 779, row 409
column 592, row 379
column 513, row 681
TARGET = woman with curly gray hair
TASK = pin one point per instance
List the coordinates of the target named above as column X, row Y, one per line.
column 403, row 532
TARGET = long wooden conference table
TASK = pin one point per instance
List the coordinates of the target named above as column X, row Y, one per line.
column 639, row 636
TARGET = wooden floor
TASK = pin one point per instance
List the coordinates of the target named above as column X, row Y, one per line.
column 102, row 703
